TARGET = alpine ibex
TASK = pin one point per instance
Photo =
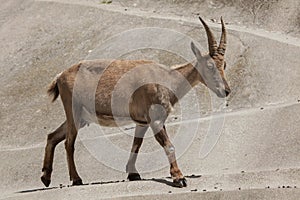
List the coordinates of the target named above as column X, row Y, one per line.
column 207, row 69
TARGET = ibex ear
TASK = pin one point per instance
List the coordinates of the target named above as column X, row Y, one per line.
column 196, row 51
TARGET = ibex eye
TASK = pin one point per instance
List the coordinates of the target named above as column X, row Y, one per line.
column 210, row 66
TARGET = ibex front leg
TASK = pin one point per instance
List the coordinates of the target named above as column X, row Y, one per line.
column 137, row 142
column 163, row 139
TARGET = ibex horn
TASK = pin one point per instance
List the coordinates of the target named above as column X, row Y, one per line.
column 222, row 45
column 212, row 43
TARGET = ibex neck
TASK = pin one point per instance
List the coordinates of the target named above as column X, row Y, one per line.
column 190, row 78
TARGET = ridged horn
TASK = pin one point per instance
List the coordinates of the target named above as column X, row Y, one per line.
column 212, row 43
column 222, row 45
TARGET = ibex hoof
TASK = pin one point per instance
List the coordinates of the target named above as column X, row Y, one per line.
column 77, row 182
column 45, row 181
column 134, row 177
column 180, row 182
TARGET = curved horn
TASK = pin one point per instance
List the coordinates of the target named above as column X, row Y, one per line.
column 212, row 43
column 222, row 45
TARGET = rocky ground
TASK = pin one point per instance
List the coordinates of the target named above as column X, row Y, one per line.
column 257, row 154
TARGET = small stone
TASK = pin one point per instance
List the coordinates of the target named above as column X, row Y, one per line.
column 107, row 1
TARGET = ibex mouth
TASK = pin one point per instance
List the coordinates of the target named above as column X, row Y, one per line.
column 227, row 92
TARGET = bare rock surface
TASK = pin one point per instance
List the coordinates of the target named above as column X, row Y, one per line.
column 257, row 154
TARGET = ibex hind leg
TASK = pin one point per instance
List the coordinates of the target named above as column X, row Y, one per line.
column 70, row 148
column 53, row 139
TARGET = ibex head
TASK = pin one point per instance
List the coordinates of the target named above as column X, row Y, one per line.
column 212, row 65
